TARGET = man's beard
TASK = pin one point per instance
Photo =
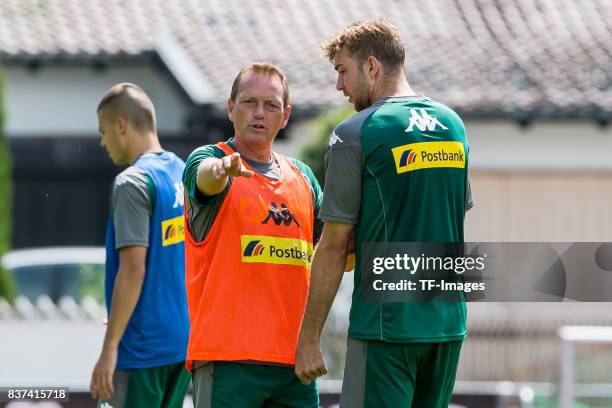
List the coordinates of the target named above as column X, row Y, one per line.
column 362, row 100
column 361, row 104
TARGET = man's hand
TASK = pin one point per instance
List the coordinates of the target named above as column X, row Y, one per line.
column 230, row 166
column 309, row 362
column 213, row 173
column 101, row 385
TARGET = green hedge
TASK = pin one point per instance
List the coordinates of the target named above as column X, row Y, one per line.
column 7, row 285
column 322, row 127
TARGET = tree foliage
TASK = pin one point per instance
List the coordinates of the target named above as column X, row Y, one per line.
column 7, row 285
column 322, row 127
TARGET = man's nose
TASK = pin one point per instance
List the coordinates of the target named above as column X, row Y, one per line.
column 259, row 110
column 339, row 84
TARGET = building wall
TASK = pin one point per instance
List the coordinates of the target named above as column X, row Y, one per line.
column 562, row 145
column 61, row 175
column 549, row 182
column 61, row 101
column 62, row 189
column 540, row 206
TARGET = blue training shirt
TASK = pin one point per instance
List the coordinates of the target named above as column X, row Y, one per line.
column 158, row 331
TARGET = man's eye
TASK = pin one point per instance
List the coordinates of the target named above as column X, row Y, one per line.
column 248, row 102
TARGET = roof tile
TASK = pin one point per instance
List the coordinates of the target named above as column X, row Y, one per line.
column 479, row 55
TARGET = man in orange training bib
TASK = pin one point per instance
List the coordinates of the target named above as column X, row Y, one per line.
column 251, row 217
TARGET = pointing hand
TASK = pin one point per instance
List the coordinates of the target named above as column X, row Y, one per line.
column 230, row 166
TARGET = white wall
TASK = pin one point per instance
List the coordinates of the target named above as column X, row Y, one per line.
column 531, row 206
column 62, row 101
column 549, row 182
column 568, row 145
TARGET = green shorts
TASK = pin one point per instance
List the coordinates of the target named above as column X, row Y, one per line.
column 381, row 374
column 222, row 384
column 163, row 386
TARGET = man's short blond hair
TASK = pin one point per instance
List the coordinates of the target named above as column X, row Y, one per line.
column 131, row 103
column 265, row 68
column 369, row 38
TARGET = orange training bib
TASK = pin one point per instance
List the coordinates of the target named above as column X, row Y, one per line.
column 247, row 281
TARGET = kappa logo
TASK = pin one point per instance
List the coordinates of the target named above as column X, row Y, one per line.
column 334, row 139
column 282, row 215
column 423, row 121
column 179, row 195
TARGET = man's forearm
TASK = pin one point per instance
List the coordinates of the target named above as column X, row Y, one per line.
column 126, row 292
column 326, row 275
column 207, row 183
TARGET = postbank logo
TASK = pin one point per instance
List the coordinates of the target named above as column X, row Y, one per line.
column 428, row 155
column 275, row 250
column 173, row 230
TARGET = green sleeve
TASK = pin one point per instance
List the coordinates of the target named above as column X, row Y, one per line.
column 317, row 195
column 191, row 171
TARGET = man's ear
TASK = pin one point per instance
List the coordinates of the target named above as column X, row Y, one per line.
column 286, row 115
column 121, row 124
column 230, row 109
column 372, row 67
